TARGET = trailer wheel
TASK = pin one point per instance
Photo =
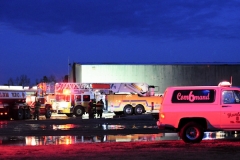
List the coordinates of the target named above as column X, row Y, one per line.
column 20, row 114
column 128, row 110
column 191, row 133
column 78, row 111
column 48, row 113
column 139, row 109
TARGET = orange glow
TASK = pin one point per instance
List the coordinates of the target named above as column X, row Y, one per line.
column 66, row 91
column 118, row 101
column 162, row 116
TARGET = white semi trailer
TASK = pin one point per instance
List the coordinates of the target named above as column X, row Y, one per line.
column 13, row 104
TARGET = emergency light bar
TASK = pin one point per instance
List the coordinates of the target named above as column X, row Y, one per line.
column 224, row 84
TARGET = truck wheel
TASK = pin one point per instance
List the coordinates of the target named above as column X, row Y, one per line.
column 128, row 110
column 27, row 114
column 139, row 109
column 78, row 111
column 48, row 113
column 191, row 133
column 20, row 114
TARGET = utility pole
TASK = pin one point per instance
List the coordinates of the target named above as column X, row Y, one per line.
column 69, row 70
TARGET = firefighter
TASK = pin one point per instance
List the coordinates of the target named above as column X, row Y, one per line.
column 94, row 108
column 90, row 109
column 100, row 108
column 37, row 109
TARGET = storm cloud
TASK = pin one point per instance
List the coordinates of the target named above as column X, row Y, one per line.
column 178, row 19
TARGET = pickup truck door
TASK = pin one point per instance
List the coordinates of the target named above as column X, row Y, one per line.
column 230, row 109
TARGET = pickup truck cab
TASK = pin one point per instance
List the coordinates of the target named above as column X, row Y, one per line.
column 192, row 110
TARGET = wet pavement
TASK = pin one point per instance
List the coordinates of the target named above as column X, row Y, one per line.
column 69, row 139
column 61, row 129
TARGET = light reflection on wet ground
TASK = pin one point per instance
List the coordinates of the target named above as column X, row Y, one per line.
column 58, row 140
column 34, row 128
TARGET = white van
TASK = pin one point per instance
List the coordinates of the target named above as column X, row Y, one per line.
column 192, row 110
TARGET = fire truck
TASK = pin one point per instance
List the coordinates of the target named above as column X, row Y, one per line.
column 133, row 99
column 73, row 98
column 128, row 98
column 13, row 104
column 45, row 93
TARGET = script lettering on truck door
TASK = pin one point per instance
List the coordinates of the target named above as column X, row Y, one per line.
column 230, row 109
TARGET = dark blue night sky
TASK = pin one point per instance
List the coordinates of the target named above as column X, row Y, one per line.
column 40, row 38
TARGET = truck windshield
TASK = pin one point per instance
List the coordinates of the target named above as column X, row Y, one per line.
column 62, row 98
column 237, row 96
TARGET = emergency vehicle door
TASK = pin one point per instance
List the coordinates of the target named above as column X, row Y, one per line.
column 78, row 99
column 230, row 111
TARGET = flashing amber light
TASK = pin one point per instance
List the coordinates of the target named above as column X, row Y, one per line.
column 162, row 116
column 66, row 91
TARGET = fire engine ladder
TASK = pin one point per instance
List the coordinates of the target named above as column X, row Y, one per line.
column 129, row 88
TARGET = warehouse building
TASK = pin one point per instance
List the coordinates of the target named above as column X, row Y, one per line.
column 157, row 75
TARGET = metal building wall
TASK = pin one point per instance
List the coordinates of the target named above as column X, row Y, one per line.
column 159, row 75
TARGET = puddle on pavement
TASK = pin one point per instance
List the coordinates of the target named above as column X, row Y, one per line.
column 70, row 139
column 84, row 127
column 99, row 126
column 57, row 140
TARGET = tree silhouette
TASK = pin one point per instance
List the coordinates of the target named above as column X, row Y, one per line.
column 52, row 78
column 45, row 79
column 49, row 79
column 22, row 80
column 10, row 82
column 65, row 79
